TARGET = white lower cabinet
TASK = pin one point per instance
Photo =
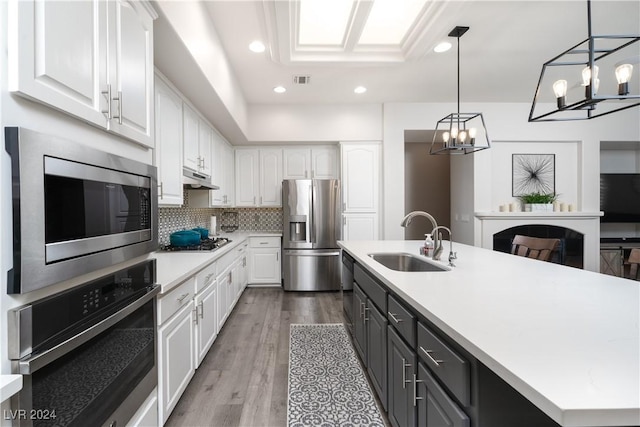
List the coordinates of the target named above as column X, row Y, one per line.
column 189, row 319
column 224, row 296
column 264, row 260
column 206, row 320
column 176, row 358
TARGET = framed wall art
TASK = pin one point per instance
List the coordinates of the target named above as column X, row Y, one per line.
column 533, row 173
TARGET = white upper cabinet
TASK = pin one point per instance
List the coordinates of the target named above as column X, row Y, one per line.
column 247, row 177
column 168, row 151
column 360, row 177
column 191, row 146
column 198, row 138
column 306, row 163
column 58, row 56
column 270, row 177
column 324, row 163
column 90, row 59
column 131, row 71
column 229, row 175
column 205, row 141
column 223, row 175
column 296, row 163
column 258, row 177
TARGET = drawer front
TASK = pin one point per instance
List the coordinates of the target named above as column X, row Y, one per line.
column 170, row 303
column 446, row 364
column 374, row 291
column 206, row 276
column 402, row 320
column 264, row 242
column 225, row 261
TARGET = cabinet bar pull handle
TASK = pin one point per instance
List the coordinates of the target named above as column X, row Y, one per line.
column 415, row 391
column 405, row 365
column 107, row 94
column 195, row 315
column 201, row 305
column 119, row 99
column 182, row 297
column 366, row 319
column 428, row 353
column 277, row 256
column 393, row 316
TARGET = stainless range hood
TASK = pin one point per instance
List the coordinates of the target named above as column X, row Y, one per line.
column 195, row 181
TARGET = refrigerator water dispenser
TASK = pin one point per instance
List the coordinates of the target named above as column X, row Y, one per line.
column 298, row 228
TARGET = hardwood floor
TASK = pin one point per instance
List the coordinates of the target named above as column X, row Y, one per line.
column 243, row 379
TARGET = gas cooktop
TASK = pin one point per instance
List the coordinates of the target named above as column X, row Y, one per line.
column 210, row 244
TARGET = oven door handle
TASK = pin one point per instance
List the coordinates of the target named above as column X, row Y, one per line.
column 30, row 365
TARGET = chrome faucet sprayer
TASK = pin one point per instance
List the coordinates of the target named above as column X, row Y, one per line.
column 436, row 240
column 438, row 248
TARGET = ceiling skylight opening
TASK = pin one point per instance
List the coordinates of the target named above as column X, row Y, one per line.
column 257, row 46
column 323, row 22
column 442, row 47
column 360, row 89
column 279, row 89
column 390, row 20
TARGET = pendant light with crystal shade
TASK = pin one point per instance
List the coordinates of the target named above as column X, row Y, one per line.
column 460, row 133
column 609, row 88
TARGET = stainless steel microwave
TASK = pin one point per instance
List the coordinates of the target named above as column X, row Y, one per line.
column 75, row 209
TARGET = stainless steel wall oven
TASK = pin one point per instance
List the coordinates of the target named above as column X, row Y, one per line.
column 87, row 355
column 75, row 209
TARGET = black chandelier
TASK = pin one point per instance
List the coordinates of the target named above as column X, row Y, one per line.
column 575, row 89
column 460, row 133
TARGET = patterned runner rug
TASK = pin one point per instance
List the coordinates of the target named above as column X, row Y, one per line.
column 326, row 384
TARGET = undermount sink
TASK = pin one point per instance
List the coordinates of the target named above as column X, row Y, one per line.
column 400, row 261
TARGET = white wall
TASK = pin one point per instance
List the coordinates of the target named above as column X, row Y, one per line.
column 315, row 123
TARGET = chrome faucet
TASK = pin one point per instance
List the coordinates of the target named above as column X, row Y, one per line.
column 437, row 251
column 436, row 241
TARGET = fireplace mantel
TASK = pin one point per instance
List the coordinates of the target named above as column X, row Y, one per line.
column 587, row 223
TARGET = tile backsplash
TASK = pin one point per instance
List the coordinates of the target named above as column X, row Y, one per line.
column 186, row 218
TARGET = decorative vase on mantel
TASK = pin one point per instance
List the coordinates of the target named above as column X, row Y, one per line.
column 537, row 202
column 538, row 207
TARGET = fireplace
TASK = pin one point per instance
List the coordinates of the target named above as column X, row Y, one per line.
column 571, row 249
column 579, row 233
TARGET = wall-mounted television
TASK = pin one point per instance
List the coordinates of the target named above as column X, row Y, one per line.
column 620, row 197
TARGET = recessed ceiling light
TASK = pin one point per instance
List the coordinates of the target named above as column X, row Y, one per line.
column 279, row 89
column 257, row 46
column 360, row 89
column 442, row 47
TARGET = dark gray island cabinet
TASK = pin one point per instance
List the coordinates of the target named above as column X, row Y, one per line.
column 423, row 377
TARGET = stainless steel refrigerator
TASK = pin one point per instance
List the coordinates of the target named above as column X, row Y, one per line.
column 311, row 222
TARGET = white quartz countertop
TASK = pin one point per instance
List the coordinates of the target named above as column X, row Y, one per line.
column 567, row 339
column 173, row 268
column 9, row 385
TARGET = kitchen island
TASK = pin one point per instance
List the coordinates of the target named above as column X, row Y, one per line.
column 568, row 340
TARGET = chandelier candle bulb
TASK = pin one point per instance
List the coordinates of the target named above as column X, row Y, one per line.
column 560, row 90
column 623, row 75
